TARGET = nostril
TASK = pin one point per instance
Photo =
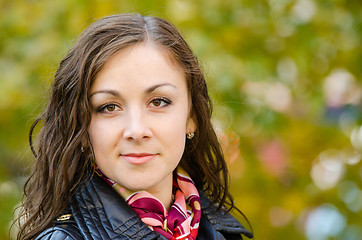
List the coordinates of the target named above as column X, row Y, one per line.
column 137, row 132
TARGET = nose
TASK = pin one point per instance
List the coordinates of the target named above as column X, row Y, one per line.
column 136, row 126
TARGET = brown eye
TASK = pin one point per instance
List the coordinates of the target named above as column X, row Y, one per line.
column 110, row 108
column 156, row 102
column 160, row 102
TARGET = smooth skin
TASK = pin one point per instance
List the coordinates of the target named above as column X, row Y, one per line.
column 140, row 117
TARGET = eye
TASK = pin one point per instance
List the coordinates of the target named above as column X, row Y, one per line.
column 108, row 108
column 160, row 102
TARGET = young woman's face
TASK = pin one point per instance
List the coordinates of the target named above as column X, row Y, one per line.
column 140, row 118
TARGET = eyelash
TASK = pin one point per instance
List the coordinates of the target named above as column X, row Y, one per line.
column 166, row 102
column 103, row 107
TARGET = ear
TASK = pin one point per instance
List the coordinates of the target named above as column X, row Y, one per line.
column 191, row 125
column 85, row 141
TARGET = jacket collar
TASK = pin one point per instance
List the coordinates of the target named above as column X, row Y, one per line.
column 107, row 217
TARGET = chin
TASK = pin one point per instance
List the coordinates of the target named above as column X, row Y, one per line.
column 138, row 186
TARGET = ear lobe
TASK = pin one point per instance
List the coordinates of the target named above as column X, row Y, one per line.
column 85, row 141
column 191, row 125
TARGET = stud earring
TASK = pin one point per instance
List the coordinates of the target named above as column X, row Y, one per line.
column 82, row 149
column 190, row 135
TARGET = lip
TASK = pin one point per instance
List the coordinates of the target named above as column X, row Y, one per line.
column 138, row 158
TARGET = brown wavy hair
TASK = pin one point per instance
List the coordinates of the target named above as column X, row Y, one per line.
column 61, row 166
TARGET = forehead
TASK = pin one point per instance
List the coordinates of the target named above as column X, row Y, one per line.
column 150, row 49
column 146, row 62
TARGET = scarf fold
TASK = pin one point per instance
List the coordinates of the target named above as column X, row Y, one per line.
column 180, row 222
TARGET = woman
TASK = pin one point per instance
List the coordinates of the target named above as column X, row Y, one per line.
column 129, row 110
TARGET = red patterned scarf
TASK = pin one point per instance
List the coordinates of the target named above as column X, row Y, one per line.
column 180, row 222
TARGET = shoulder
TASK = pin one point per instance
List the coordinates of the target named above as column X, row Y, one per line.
column 221, row 222
column 61, row 232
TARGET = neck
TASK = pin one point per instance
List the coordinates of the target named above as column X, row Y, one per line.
column 163, row 192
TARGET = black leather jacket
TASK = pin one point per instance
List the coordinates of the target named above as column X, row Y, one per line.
column 98, row 212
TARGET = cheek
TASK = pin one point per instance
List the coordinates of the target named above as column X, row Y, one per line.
column 99, row 135
column 173, row 132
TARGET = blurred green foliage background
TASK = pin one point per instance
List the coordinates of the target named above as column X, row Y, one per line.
column 285, row 76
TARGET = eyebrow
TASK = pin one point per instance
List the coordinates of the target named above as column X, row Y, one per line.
column 153, row 88
column 112, row 92
column 147, row 91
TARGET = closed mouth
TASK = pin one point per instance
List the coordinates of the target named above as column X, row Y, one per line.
column 138, row 158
